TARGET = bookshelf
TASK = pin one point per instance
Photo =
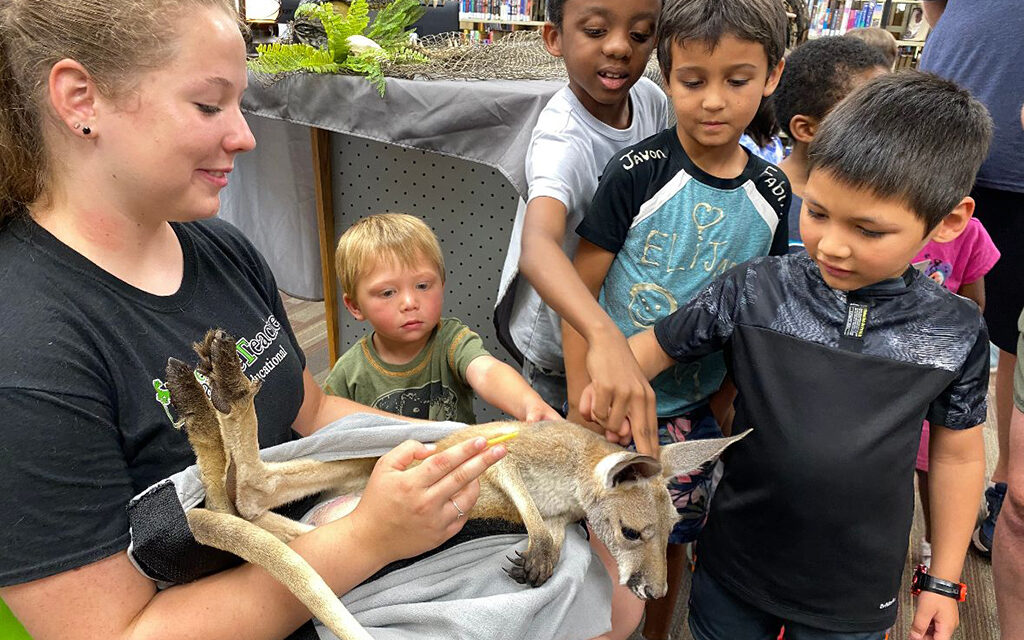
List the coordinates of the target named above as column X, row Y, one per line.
column 511, row 12
column 467, row 22
column 901, row 18
column 489, row 20
column 836, row 17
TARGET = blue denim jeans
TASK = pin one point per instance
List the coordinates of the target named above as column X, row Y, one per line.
column 549, row 384
column 717, row 614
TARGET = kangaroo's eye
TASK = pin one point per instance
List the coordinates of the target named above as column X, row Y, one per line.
column 630, row 534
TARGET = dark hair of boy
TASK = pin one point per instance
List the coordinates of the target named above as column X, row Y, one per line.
column 761, row 21
column 910, row 136
column 764, row 126
column 556, row 10
column 818, row 74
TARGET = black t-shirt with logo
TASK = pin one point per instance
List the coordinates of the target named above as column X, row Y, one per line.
column 811, row 519
column 86, row 418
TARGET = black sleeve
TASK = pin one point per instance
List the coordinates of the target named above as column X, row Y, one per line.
column 780, row 241
column 964, row 403
column 615, row 204
column 705, row 324
column 774, row 187
column 65, row 484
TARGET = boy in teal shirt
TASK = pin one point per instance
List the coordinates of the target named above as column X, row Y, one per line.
column 684, row 205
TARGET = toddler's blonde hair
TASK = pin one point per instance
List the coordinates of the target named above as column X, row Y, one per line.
column 398, row 238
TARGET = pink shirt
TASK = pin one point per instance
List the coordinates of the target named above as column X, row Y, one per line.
column 952, row 264
column 961, row 261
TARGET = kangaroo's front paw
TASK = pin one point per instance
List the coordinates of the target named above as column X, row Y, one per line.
column 536, row 564
column 218, row 360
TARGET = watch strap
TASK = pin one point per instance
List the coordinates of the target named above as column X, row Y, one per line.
column 924, row 582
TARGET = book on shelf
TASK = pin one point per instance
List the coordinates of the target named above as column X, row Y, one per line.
column 503, row 10
column 836, row 17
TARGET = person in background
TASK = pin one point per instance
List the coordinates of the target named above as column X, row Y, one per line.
column 415, row 363
column 762, row 136
column 818, row 75
column 933, row 11
column 978, row 46
column 1008, row 552
column 880, row 39
column 959, row 266
column 917, row 27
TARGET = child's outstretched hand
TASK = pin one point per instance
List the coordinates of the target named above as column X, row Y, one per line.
column 536, row 410
column 619, row 397
column 936, row 617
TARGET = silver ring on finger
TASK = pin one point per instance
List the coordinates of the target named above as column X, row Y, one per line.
column 462, row 513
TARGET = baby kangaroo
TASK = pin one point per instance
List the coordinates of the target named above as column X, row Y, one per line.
column 555, row 473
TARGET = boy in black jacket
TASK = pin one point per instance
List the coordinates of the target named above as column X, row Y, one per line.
column 809, row 525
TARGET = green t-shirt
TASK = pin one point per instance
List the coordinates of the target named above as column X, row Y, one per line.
column 432, row 386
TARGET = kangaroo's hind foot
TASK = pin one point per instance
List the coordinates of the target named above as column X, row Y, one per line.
column 199, row 419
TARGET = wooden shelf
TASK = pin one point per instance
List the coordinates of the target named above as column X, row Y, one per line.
column 468, row 23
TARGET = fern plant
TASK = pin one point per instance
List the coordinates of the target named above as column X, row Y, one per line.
column 388, row 35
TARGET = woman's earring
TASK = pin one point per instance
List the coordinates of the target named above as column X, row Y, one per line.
column 86, row 131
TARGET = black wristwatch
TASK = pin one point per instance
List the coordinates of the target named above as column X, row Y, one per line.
column 924, row 582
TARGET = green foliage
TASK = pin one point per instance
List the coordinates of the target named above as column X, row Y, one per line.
column 339, row 29
column 388, row 28
column 369, row 65
column 305, row 9
column 282, row 58
column 388, row 31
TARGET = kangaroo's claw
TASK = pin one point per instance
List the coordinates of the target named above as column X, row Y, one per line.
column 218, row 360
column 535, row 565
column 187, row 395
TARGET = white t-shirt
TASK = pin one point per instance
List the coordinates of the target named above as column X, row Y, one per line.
column 568, row 152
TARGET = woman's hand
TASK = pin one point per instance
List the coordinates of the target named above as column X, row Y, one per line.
column 407, row 510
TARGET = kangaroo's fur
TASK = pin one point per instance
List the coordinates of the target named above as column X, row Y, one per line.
column 555, row 473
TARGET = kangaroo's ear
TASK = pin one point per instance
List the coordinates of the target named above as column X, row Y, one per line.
column 625, row 466
column 684, row 457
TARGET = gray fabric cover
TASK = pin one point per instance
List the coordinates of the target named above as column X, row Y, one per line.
column 489, row 122
column 271, row 197
column 461, row 592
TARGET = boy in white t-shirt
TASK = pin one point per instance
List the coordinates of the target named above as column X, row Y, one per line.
column 607, row 106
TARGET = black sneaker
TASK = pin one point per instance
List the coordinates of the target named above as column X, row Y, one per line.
column 986, row 531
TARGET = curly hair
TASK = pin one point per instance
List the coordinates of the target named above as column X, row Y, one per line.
column 820, row 73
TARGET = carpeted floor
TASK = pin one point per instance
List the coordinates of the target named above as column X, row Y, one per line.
column 977, row 614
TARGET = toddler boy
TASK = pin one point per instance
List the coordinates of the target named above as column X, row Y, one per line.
column 414, row 363
column 839, row 354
